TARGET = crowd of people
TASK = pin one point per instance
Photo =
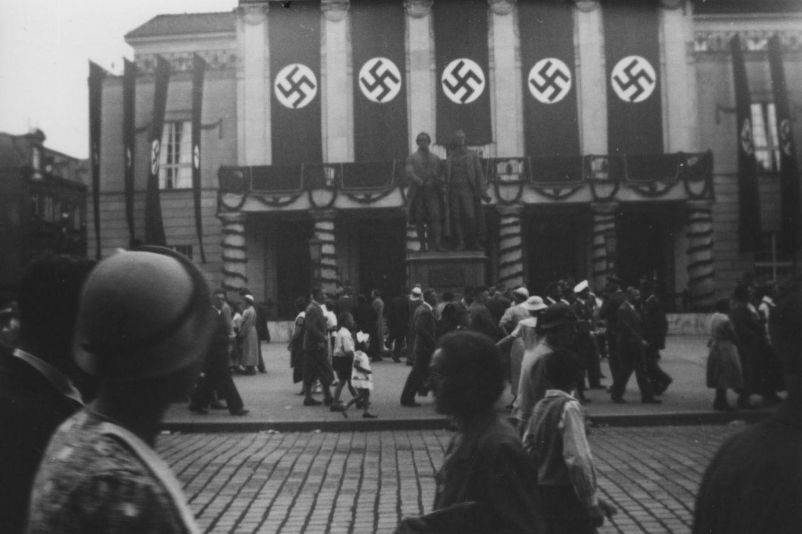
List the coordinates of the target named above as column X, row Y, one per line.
column 626, row 327
column 101, row 350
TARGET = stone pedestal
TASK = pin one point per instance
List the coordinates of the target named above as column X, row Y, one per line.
column 447, row 271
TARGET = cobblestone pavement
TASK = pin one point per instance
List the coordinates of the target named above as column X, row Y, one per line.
column 364, row 482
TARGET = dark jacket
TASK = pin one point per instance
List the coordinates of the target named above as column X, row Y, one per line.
column 629, row 329
column 425, row 333
column 315, row 331
column 486, row 465
column 655, row 324
column 30, row 411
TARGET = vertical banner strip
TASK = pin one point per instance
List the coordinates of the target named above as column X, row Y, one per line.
column 461, row 60
column 748, row 192
column 551, row 125
column 789, row 171
column 294, row 35
column 154, row 225
column 96, row 75
column 380, row 103
column 632, row 51
column 198, row 71
column 129, row 143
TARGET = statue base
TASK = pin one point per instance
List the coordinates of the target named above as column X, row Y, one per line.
column 447, row 271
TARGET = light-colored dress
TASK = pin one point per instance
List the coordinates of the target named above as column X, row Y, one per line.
column 359, row 379
column 525, row 341
column 723, row 361
column 249, row 338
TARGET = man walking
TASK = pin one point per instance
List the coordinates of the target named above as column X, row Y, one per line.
column 630, row 347
column 422, row 349
column 316, row 357
column 216, row 373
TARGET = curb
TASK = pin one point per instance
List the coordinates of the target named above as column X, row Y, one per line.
column 440, row 423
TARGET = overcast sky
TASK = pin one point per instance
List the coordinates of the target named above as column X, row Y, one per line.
column 45, row 48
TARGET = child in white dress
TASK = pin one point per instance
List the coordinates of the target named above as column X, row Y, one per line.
column 362, row 376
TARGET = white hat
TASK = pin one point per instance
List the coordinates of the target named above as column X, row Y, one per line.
column 522, row 291
column 535, row 303
column 416, row 291
column 248, row 297
column 581, row 286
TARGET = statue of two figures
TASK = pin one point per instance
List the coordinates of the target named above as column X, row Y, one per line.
column 445, row 197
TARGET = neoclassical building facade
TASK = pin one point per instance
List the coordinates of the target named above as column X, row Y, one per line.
column 606, row 129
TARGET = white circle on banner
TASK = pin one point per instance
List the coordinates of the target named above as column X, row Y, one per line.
column 463, row 81
column 785, row 137
column 155, row 149
column 746, row 137
column 295, row 86
column 549, row 80
column 633, row 79
column 380, row 80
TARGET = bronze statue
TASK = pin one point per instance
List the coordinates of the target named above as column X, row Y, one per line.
column 465, row 190
column 424, row 171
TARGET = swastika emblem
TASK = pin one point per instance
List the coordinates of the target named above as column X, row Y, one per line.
column 295, row 86
column 746, row 137
column 549, row 80
column 196, row 156
column 379, row 80
column 633, row 79
column 155, row 149
column 786, row 143
column 463, row 81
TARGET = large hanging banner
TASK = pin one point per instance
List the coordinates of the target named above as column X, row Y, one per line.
column 294, row 34
column 154, row 225
column 632, row 51
column 789, row 171
column 129, row 143
column 380, row 100
column 461, row 59
column 551, row 123
column 198, row 71
column 96, row 75
column 748, row 191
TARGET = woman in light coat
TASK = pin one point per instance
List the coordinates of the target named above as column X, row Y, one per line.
column 249, row 338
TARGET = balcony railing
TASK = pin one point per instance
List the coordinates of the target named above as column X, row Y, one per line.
column 648, row 173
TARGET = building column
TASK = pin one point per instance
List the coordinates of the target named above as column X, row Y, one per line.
column 700, row 254
column 591, row 77
column 337, row 85
column 324, row 232
column 253, row 86
column 235, row 251
column 420, row 69
column 511, row 254
column 604, row 228
column 679, row 77
column 507, row 97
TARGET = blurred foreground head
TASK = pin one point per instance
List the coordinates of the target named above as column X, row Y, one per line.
column 467, row 374
column 48, row 304
column 143, row 315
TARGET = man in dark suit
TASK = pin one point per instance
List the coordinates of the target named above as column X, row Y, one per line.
column 655, row 328
column 631, row 346
column 423, row 348
column 316, row 358
column 36, row 390
column 216, row 373
column 398, row 323
column 480, row 319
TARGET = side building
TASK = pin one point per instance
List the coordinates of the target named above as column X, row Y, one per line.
column 607, row 131
column 42, row 206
